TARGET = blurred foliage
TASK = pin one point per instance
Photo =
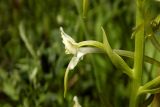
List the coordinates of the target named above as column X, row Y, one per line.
column 28, row 81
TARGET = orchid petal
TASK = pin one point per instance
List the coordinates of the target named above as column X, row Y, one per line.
column 70, row 45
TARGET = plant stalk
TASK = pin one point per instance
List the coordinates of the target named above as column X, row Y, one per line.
column 138, row 56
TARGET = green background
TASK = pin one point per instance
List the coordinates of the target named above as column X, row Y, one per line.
column 37, row 81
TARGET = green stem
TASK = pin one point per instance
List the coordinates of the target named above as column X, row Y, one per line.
column 92, row 43
column 152, row 86
column 151, row 91
column 138, row 57
column 124, row 53
column 26, row 41
column 85, row 8
column 130, row 54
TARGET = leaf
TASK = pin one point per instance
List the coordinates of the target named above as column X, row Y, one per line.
column 25, row 40
column 115, row 58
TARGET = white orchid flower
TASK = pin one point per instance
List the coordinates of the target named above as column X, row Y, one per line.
column 74, row 48
column 78, row 52
column 76, row 103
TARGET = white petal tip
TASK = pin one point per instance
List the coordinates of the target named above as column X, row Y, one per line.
column 61, row 29
column 75, row 98
column 76, row 103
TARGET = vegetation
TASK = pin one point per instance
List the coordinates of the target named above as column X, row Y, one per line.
column 121, row 73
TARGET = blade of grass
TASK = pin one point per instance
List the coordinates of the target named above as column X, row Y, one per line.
column 25, row 40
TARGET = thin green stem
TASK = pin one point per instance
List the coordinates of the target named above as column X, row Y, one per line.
column 25, row 40
column 82, row 23
column 138, row 57
column 92, row 43
column 151, row 91
column 124, row 53
column 130, row 54
column 151, row 86
column 85, row 8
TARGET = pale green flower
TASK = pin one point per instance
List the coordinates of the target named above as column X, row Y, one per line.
column 73, row 48
column 78, row 52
